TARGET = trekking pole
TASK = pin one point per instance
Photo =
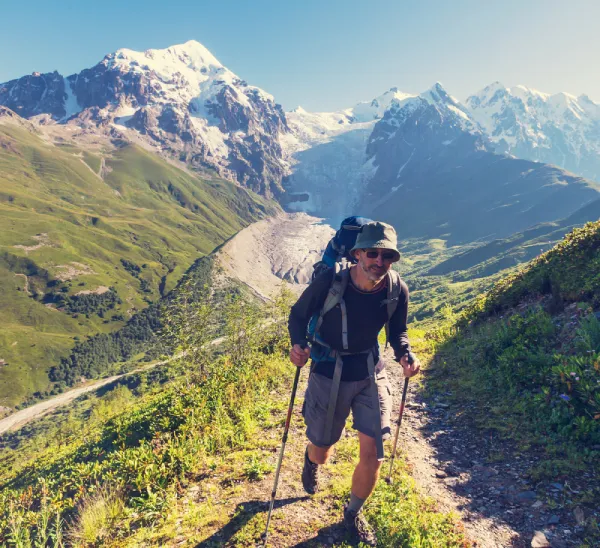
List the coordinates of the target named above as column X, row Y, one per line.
column 265, row 535
column 411, row 360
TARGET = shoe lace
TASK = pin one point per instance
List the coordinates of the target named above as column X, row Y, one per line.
column 314, row 471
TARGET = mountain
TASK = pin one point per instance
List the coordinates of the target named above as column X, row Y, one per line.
column 433, row 161
column 424, row 154
column 91, row 231
column 558, row 129
column 327, row 153
column 181, row 100
column 518, row 248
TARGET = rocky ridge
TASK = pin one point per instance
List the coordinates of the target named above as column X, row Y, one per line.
column 182, row 100
column 559, row 129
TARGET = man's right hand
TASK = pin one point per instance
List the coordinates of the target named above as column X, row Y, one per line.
column 299, row 356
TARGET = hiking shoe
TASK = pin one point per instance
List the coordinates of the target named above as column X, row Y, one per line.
column 310, row 475
column 358, row 526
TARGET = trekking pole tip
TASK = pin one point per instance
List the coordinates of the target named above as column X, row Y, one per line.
column 388, row 480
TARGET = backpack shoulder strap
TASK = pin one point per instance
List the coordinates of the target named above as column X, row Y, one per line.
column 393, row 292
column 393, row 296
column 334, row 297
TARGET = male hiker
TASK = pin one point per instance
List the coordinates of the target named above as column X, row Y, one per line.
column 345, row 343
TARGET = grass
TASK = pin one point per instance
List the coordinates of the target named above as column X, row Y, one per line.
column 96, row 517
column 157, row 216
column 125, row 468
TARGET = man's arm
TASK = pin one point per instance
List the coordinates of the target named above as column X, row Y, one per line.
column 398, row 330
column 398, row 333
column 311, row 301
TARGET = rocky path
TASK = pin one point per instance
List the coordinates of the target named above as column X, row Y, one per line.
column 462, row 471
column 238, row 506
column 447, row 465
column 484, row 479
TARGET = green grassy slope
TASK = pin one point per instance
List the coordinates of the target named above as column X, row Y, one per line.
column 518, row 248
column 522, row 364
column 65, row 229
column 118, row 468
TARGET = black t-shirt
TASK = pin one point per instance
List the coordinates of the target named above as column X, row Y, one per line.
column 366, row 317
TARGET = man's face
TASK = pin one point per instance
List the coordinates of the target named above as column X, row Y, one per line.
column 375, row 263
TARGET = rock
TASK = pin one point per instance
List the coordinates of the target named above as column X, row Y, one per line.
column 539, row 540
column 452, row 471
column 485, row 471
column 557, row 486
column 537, row 504
column 553, row 519
column 526, row 496
column 579, row 515
column 441, row 474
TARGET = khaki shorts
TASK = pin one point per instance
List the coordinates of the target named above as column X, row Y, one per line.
column 355, row 396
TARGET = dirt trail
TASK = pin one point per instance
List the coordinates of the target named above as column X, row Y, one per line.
column 22, row 417
column 303, row 521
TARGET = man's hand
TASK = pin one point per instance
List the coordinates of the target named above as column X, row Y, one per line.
column 299, row 356
column 410, row 369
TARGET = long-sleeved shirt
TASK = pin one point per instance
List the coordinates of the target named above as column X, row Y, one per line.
column 366, row 316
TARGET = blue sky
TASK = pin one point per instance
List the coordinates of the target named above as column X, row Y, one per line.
column 327, row 54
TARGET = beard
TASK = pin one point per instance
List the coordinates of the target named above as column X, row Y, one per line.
column 373, row 272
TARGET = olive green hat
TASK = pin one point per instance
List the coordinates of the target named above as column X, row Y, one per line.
column 377, row 235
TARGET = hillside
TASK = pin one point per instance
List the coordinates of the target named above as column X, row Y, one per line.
column 521, row 367
column 90, row 233
column 518, row 248
column 184, row 455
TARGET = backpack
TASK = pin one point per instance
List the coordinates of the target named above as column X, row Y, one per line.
column 338, row 248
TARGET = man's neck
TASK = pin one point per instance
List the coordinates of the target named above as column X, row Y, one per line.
column 361, row 281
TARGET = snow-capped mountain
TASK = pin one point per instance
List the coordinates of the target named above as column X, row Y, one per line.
column 427, row 166
column 559, row 129
column 327, row 152
column 181, row 99
column 335, row 154
column 184, row 103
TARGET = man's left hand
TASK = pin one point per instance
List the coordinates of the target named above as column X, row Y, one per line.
column 410, row 369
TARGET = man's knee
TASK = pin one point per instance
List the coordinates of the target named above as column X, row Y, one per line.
column 319, row 455
column 368, row 452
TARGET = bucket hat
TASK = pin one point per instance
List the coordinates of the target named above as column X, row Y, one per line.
column 377, row 235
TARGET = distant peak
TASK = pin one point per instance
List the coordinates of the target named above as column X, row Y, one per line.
column 437, row 93
column 192, row 52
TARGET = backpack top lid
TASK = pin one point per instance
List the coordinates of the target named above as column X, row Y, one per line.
column 345, row 237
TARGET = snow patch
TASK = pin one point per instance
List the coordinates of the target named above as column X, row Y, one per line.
column 71, row 104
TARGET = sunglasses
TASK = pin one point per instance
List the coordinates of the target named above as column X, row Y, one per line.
column 385, row 255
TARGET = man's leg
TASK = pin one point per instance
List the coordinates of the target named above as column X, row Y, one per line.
column 366, row 472
column 363, row 482
column 315, row 405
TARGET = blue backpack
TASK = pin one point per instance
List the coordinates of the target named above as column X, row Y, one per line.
column 340, row 245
